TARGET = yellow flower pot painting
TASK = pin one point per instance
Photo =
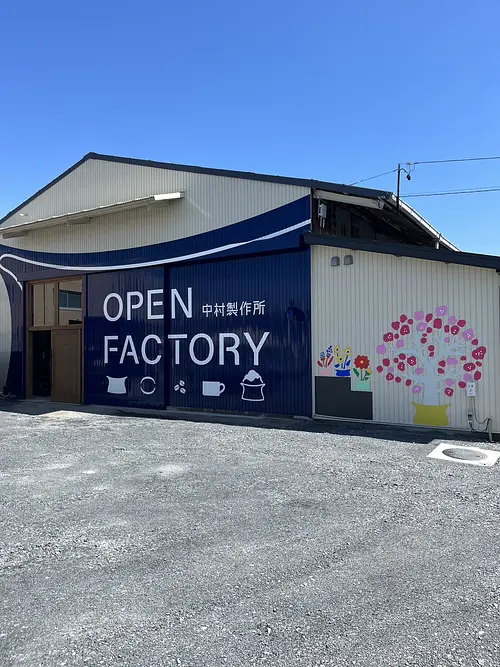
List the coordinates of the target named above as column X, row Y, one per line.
column 434, row 355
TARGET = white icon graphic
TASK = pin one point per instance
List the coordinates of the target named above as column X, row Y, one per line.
column 148, row 385
column 180, row 387
column 116, row 385
column 253, row 387
column 212, row 388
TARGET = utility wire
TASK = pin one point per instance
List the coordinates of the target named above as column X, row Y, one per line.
column 471, row 191
column 372, row 177
column 463, row 159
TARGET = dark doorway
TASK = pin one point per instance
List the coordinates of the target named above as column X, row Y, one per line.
column 42, row 372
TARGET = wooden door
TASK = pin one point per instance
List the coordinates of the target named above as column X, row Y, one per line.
column 66, row 365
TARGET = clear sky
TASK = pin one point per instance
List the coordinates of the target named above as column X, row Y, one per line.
column 337, row 91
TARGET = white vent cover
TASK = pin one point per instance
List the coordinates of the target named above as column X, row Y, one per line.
column 471, row 455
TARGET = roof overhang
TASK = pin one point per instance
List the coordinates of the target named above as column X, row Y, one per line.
column 87, row 215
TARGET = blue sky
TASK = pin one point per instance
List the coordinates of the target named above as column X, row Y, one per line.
column 327, row 90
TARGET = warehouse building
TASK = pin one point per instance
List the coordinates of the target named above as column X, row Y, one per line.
column 143, row 284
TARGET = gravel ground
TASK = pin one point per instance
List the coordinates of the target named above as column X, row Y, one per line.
column 145, row 542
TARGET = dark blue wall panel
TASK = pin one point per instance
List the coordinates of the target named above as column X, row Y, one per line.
column 16, row 373
column 127, row 370
column 269, row 299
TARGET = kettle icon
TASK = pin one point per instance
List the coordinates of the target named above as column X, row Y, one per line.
column 116, row 385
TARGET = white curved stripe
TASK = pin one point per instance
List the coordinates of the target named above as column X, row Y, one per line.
column 157, row 262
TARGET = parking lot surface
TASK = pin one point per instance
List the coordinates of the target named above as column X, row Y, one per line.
column 151, row 542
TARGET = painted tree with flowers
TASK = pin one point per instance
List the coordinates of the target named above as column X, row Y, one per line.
column 434, row 354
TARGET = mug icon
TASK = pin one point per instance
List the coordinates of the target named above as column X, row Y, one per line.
column 212, row 388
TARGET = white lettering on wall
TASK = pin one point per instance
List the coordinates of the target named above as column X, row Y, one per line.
column 108, row 349
column 175, row 296
column 257, row 349
column 143, row 349
column 133, row 306
column 129, row 342
column 176, row 338
column 208, row 359
column 154, row 304
column 230, row 348
column 109, row 317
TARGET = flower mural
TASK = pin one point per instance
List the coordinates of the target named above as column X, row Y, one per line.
column 325, row 361
column 362, row 372
column 434, row 354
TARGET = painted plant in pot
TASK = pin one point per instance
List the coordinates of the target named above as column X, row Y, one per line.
column 433, row 355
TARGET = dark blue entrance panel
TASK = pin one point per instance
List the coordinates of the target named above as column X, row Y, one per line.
column 124, row 338
column 239, row 335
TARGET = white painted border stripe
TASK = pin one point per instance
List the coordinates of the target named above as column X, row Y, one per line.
column 157, row 262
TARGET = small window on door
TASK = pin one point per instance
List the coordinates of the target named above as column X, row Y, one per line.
column 70, row 302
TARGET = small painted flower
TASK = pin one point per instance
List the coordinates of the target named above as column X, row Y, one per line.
column 347, row 352
column 423, row 341
column 454, row 330
column 337, row 349
column 438, row 323
column 322, row 355
column 452, row 361
column 452, row 319
column 442, row 363
column 396, row 336
column 447, row 339
column 441, row 371
column 408, row 383
column 468, row 334
column 419, row 371
column 400, row 344
column 380, row 369
column 450, row 382
column 477, row 375
column 388, row 337
column 419, row 315
column 468, row 377
column 479, row 352
column 462, row 384
column 417, row 389
column 447, row 328
column 461, row 323
column 330, row 351
column 405, row 330
column 361, row 361
column 386, row 362
column 389, row 377
column 410, row 321
column 441, row 311
column 401, row 366
column 449, row 391
column 398, row 379
column 402, row 356
column 395, row 325
column 469, row 367
column 429, row 330
column 403, row 318
column 428, row 317
column 475, row 341
column 421, row 326
column 381, row 349
column 412, row 361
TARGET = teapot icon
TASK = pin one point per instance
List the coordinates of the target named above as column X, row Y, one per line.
column 116, row 385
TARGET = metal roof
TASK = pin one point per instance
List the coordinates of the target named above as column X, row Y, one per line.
column 406, row 213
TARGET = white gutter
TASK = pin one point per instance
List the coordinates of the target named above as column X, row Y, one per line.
column 86, row 215
column 423, row 224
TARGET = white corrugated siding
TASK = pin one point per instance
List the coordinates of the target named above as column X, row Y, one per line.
column 355, row 305
column 210, row 202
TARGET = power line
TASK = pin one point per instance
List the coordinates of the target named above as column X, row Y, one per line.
column 463, row 159
column 472, row 191
column 372, row 177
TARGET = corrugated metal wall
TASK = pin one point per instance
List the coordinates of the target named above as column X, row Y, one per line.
column 245, row 345
column 210, row 202
column 354, row 306
column 124, row 338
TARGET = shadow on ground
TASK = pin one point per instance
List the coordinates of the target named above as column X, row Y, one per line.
column 399, row 433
